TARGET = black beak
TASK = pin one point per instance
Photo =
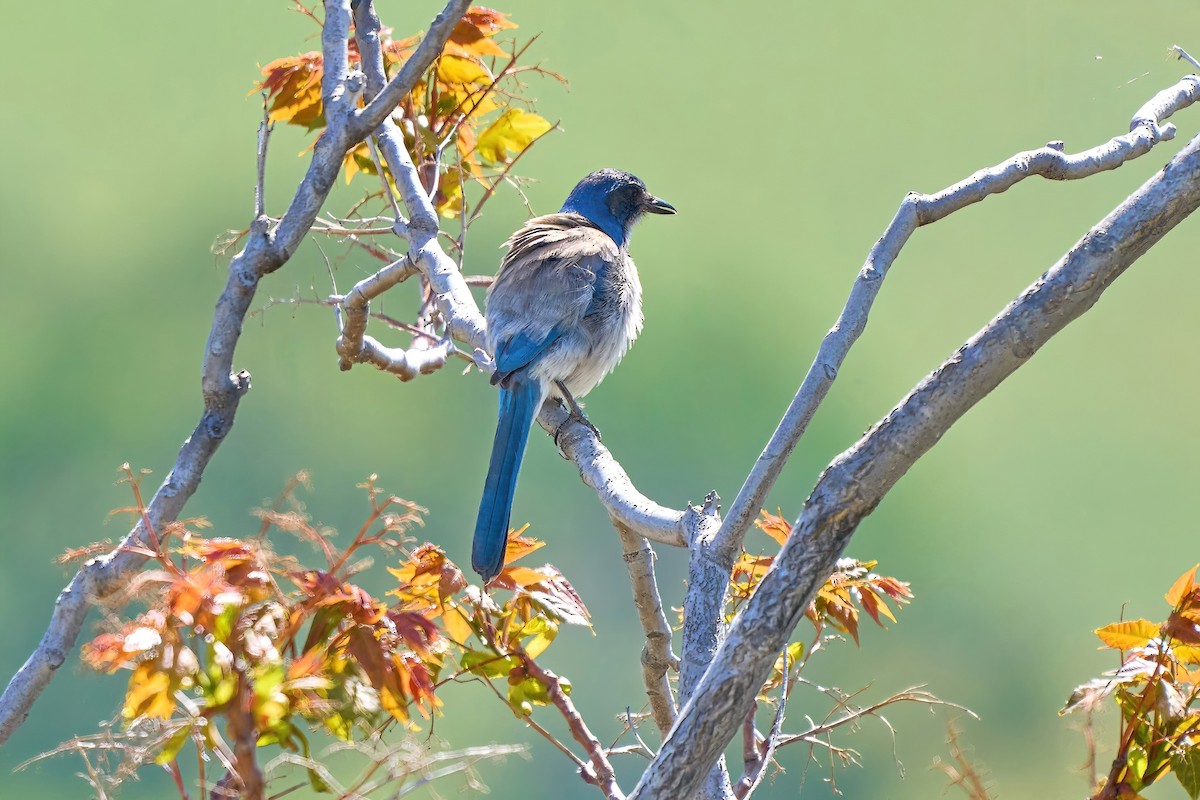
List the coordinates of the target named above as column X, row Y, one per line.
column 656, row 205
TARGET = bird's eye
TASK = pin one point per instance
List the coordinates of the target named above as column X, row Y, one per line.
column 622, row 200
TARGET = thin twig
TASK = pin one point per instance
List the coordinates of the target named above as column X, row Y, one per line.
column 387, row 186
column 600, row 771
column 912, row 695
column 264, row 134
column 1184, row 55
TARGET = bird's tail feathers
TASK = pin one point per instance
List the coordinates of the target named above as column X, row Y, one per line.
column 519, row 403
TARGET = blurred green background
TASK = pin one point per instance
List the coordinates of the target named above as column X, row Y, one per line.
column 786, row 134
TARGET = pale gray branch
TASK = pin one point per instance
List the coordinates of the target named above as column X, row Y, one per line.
column 355, row 347
column 454, row 300
column 704, row 623
column 267, row 248
column 1147, row 129
column 857, row 480
column 599, row 470
column 657, row 656
column 383, row 100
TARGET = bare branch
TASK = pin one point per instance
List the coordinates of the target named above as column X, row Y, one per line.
column 600, row 771
column 383, row 99
column 599, row 470
column 704, row 622
column 264, row 134
column 757, row 756
column 1146, row 130
column 915, row 694
column 962, row 773
column 454, row 299
column 355, row 347
column 657, row 657
column 854, row 484
column 1184, row 55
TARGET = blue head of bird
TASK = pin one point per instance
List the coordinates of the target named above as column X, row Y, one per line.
column 613, row 201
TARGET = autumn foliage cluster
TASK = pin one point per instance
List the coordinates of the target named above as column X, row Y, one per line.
column 241, row 648
column 1156, row 688
column 234, row 627
column 473, row 98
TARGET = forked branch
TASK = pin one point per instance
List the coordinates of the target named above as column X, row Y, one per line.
column 856, row 481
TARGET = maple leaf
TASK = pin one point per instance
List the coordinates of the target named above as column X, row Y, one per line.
column 1182, row 628
column 417, row 632
column 472, row 34
column 293, row 87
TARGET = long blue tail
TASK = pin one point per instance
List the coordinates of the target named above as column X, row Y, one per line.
column 518, row 404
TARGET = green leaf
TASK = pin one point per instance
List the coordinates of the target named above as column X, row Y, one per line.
column 223, row 624
column 176, row 743
column 267, row 680
column 531, row 690
column 489, row 665
column 1137, row 767
column 339, row 726
column 1186, row 766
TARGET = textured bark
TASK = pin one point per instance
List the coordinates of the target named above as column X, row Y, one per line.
column 857, row 480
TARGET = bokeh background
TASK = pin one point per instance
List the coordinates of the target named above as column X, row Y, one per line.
column 785, row 133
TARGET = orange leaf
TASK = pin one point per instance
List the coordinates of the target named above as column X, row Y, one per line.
column 458, row 626
column 875, row 605
column 522, row 576
column 1181, row 587
column 1186, row 654
column 294, row 86
column 105, row 652
column 774, row 526
column 452, row 69
column 843, row 617
column 488, row 21
column 1128, row 635
column 520, row 546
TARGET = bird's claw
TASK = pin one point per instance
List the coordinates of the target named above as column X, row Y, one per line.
column 574, row 414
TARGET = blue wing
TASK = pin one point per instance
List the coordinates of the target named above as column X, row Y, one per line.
column 522, row 349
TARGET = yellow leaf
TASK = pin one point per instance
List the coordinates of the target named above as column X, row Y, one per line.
column 1181, row 587
column 458, row 627
column 149, row 693
column 457, row 69
column 1187, row 654
column 1128, row 635
column 511, row 133
column 449, row 200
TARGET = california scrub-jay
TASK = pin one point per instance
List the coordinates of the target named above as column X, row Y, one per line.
column 565, row 306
